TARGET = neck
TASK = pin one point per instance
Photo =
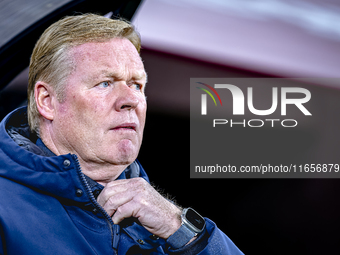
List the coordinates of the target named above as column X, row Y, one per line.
column 103, row 173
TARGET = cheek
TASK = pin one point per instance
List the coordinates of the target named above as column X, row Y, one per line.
column 64, row 111
column 74, row 109
column 99, row 107
column 142, row 119
column 84, row 105
column 141, row 114
column 142, row 105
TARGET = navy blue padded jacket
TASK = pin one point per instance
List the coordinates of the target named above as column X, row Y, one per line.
column 48, row 207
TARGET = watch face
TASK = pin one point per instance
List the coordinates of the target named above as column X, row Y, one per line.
column 195, row 219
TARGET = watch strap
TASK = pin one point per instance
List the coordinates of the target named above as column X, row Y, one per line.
column 181, row 237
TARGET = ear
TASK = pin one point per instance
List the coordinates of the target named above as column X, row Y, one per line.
column 44, row 98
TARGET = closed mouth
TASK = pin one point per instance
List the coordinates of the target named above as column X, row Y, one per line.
column 126, row 126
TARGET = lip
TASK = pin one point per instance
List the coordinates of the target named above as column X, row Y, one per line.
column 126, row 126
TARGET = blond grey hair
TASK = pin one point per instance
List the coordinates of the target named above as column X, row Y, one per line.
column 50, row 61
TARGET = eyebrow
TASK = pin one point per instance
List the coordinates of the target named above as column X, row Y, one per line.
column 135, row 76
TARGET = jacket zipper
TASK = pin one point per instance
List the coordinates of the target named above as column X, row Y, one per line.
column 114, row 228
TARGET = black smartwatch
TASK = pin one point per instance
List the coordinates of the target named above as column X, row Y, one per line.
column 192, row 225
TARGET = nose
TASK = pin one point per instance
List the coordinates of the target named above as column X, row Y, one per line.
column 127, row 98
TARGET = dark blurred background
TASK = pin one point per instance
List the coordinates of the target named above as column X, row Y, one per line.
column 232, row 38
column 240, row 38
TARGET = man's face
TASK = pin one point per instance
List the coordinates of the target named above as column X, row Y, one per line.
column 103, row 115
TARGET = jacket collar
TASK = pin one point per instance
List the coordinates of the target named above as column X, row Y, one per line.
column 28, row 161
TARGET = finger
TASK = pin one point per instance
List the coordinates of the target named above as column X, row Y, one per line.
column 122, row 192
column 110, row 190
column 124, row 211
column 116, row 201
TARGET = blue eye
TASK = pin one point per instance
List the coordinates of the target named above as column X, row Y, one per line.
column 104, row 84
column 137, row 86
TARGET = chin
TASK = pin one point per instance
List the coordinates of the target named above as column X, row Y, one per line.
column 127, row 150
column 121, row 158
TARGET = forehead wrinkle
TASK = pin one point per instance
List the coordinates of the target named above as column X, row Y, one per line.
column 118, row 75
column 125, row 72
column 109, row 67
column 140, row 75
